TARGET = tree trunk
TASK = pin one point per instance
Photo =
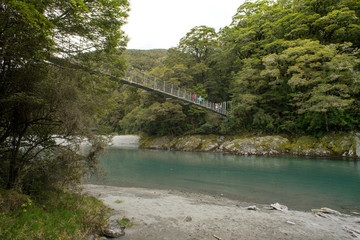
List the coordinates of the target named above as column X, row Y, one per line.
column 13, row 175
column 14, row 156
column 326, row 122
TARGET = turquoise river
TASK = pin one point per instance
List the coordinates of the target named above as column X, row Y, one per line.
column 299, row 183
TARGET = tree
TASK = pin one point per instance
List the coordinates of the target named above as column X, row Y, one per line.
column 44, row 99
column 145, row 60
column 322, row 77
column 286, row 69
column 158, row 119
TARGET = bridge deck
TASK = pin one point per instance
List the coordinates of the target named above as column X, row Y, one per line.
column 151, row 83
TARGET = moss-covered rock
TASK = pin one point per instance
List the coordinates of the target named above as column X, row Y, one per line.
column 343, row 144
column 334, row 144
column 155, row 142
column 188, row 143
column 309, row 146
column 268, row 145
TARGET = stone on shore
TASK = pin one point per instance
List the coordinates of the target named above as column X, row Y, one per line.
column 332, row 144
column 113, row 233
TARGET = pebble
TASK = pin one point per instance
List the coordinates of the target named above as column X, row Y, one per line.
column 188, row 219
column 253, row 208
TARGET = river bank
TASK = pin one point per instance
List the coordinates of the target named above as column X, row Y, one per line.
column 332, row 145
column 166, row 214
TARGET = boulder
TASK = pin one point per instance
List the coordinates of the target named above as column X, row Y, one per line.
column 279, row 207
column 113, row 233
column 252, row 208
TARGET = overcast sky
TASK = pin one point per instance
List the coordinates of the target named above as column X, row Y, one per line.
column 161, row 23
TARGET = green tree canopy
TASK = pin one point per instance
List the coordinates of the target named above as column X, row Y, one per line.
column 44, row 96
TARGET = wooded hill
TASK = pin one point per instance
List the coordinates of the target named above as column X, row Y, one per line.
column 145, row 60
column 287, row 67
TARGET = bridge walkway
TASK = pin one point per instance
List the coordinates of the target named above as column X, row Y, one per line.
column 151, row 83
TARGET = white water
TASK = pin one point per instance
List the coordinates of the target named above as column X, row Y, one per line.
column 125, row 141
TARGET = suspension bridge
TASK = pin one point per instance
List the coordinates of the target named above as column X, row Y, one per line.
column 151, row 83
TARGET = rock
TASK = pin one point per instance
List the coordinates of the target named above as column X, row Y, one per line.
column 90, row 237
column 347, row 144
column 113, row 230
column 357, row 146
column 188, row 219
column 322, row 212
column 187, row 143
column 351, row 153
column 253, row 208
column 113, row 233
column 354, row 232
column 329, row 211
column 210, row 147
column 279, row 207
column 159, row 143
column 290, row 222
column 268, row 208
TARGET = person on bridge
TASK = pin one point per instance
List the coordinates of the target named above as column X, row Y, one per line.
column 194, row 97
column 200, row 99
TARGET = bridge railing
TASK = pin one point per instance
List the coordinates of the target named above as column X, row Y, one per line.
column 151, row 82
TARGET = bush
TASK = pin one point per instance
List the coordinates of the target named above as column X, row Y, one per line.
column 61, row 215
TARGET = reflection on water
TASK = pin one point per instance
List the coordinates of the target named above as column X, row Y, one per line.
column 299, row 183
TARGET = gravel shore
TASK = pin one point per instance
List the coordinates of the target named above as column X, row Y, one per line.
column 174, row 215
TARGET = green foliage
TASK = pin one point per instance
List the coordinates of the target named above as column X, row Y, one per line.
column 305, row 142
column 159, row 119
column 286, row 66
column 199, row 43
column 125, row 222
column 11, row 200
column 206, row 128
column 44, row 98
column 294, row 73
column 145, row 60
column 58, row 216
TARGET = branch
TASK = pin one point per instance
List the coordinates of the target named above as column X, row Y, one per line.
column 217, row 237
column 62, row 16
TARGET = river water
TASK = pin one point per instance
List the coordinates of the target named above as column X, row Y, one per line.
column 299, row 183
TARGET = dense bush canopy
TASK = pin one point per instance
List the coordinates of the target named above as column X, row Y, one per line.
column 286, row 66
column 44, row 96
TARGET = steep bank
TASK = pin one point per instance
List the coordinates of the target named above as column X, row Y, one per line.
column 331, row 145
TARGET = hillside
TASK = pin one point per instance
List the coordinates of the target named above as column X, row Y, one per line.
column 145, row 59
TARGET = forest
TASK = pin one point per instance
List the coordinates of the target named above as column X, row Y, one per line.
column 287, row 67
column 52, row 95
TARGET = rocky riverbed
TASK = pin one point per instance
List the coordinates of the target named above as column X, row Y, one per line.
column 166, row 214
column 331, row 145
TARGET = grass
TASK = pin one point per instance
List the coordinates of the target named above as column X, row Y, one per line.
column 125, row 222
column 62, row 215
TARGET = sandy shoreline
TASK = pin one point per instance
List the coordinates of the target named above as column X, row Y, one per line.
column 174, row 215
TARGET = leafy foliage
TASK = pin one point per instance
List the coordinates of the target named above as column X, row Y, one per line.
column 49, row 99
column 58, row 216
column 145, row 60
column 286, row 66
column 294, row 66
